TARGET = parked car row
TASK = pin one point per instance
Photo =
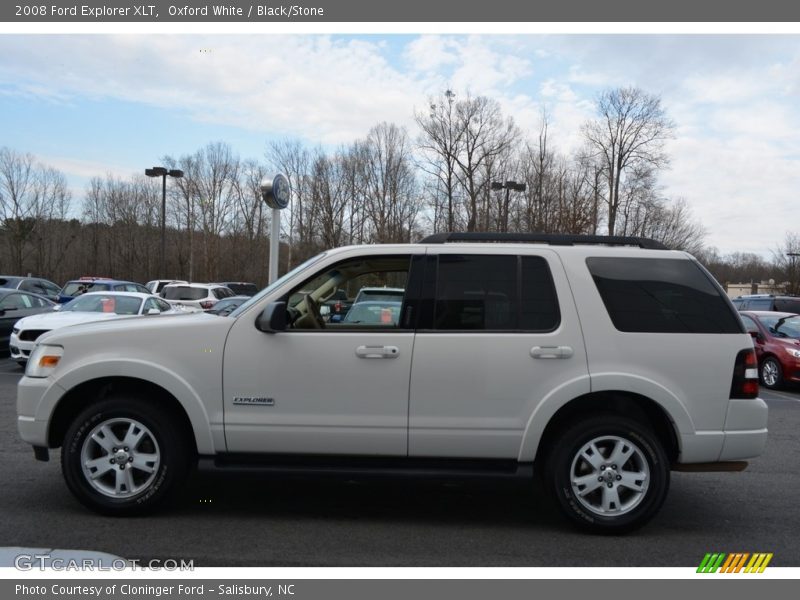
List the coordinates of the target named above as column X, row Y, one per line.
column 31, row 306
column 774, row 324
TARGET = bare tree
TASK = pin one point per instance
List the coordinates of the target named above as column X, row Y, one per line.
column 391, row 200
column 628, row 134
column 440, row 144
column 485, row 134
column 786, row 261
column 19, row 197
column 672, row 224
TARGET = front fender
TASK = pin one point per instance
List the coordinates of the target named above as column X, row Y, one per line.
column 203, row 423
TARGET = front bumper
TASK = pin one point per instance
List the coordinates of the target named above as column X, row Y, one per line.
column 20, row 350
column 36, row 398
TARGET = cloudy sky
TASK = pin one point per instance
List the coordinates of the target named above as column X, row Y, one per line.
column 96, row 104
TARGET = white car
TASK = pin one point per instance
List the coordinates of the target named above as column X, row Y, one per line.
column 157, row 285
column 198, row 296
column 599, row 363
column 92, row 306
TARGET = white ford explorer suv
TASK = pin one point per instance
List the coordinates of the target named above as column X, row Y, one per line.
column 598, row 364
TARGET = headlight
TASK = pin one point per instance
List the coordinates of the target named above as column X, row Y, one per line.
column 43, row 360
column 15, row 331
column 793, row 351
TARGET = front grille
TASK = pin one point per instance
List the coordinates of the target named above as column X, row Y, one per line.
column 30, row 335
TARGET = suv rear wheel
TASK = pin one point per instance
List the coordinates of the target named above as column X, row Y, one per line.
column 609, row 474
column 122, row 456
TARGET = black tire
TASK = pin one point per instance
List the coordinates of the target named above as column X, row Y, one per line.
column 633, row 508
column 771, row 373
column 161, row 436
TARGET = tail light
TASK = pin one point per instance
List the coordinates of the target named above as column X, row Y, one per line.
column 337, row 307
column 205, row 304
column 745, row 375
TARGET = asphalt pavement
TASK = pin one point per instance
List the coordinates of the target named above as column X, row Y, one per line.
column 240, row 520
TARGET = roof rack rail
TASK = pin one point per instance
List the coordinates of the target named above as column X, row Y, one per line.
column 554, row 239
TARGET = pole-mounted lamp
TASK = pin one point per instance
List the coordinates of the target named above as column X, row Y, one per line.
column 163, row 172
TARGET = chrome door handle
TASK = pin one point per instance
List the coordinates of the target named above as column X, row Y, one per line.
column 551, row 351
column 377, row 352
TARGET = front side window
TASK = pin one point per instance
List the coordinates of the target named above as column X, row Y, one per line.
column 12, row 301
column 749, row 324
column 311, row 305
column 661, row 295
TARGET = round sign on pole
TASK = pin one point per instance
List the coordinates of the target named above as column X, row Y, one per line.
column 276, row 193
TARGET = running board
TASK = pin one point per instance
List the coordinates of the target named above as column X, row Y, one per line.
column 710, row 467
column 377, row 467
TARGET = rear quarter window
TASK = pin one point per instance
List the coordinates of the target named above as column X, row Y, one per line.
column 657, row 295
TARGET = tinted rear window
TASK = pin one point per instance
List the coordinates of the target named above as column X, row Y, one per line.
column 184, row 293
column 662, row 296
column 787, row 305
column 243, row 289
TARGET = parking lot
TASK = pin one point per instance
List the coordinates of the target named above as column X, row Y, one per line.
column 236, row 520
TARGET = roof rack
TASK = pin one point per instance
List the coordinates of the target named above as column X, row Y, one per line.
column 554, row 239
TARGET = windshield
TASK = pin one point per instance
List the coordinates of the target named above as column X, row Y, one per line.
column 102, row 303
column 783, row 327
column 276, row 284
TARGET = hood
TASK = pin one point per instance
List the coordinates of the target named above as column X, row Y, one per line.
column 129, row 326
column 54, row 320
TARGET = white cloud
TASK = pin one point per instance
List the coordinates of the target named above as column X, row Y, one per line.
column 734, row 98
column 316, row 87
column 431, row 53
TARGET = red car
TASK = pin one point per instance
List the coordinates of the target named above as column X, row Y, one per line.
column 776, row 337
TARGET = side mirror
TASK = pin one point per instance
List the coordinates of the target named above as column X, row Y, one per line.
column 57, row 307
column 273, row 318
column 153, row 311
column 755, row 335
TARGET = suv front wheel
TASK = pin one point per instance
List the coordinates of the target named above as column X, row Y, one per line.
column 122, row 456
column 609, row 474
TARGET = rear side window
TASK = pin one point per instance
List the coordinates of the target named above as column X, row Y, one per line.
column 495, row 293
column 764, row 304
column 661, row 296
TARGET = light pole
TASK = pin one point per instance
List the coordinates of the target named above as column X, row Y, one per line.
column 163, row 172
column 507, row 186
